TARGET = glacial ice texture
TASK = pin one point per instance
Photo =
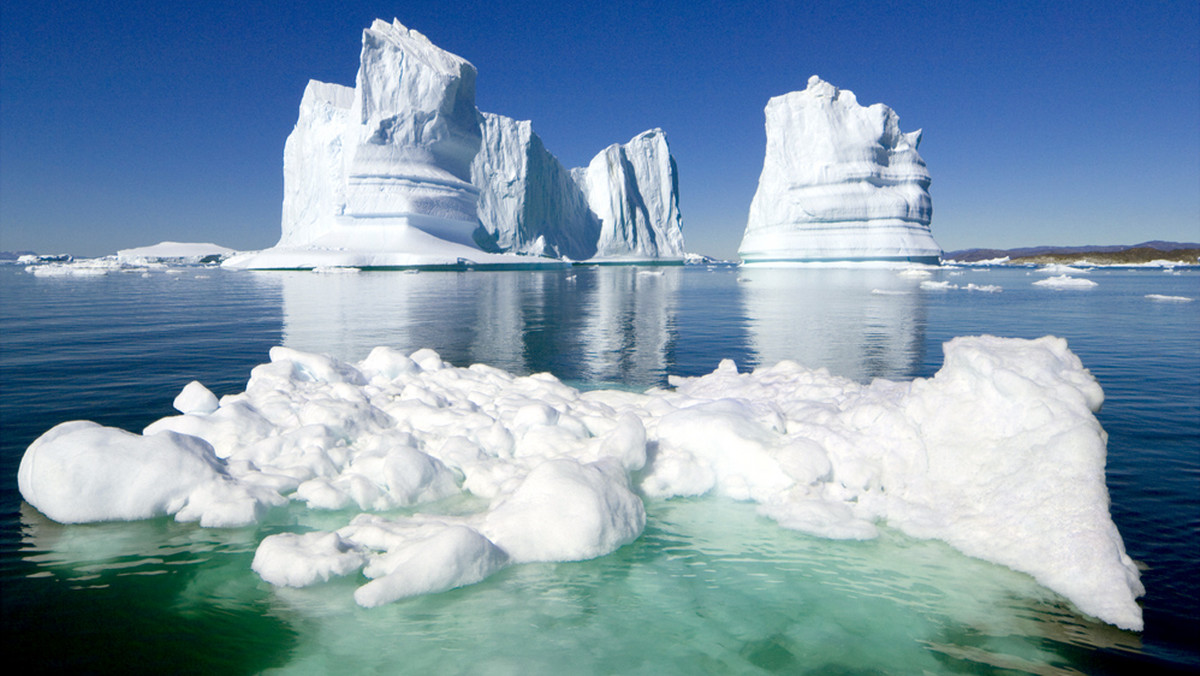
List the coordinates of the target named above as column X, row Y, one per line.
column 840, row 182
column 624, row 206
column 380, row 174
column 634, row 190
column 528, row 203
column 999, row 455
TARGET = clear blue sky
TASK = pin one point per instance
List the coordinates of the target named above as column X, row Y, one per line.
column 126, row 123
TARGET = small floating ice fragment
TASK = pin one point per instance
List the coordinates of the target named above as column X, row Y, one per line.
column 1065, row 282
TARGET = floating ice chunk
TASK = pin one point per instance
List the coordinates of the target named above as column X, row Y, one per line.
column 195, row 398
column 454, row 556
column 1169, row 299
column 80, row 472
column 1065, row 282
column 336, row 270
column 567, row 511
column 1060, row 269
column 300, row 560
column 87, row 267
column 634, row 190
column 930, row 285
column 985, row 288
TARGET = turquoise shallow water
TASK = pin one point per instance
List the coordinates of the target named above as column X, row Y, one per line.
column 709, row 588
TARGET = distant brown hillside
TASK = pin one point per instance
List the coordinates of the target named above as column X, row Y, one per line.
column 1131, row 256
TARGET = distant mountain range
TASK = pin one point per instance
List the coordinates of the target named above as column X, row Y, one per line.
column 1132, row 253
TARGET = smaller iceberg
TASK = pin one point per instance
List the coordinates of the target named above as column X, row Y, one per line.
column 175, row 252
column 840, row 182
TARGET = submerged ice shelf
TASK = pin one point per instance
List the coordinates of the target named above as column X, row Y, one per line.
column 999, row 455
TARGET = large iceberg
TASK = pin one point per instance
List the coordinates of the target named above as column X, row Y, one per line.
column 403, row 170
column 379, row 175
column 840, row 182
column 634, row 190
column 998, row 454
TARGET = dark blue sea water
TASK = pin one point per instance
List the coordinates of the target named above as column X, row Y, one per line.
column 709, row 588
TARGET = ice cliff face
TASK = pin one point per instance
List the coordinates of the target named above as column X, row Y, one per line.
column 623, row 206
column 314, row 183
column 839, row 182
column 413, row 131
column 634, row 190
column 527, row 201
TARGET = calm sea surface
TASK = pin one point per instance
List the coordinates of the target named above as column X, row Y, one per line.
column 709, row 588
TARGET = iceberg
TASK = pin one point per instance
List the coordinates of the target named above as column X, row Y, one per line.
column 402, row 170
column 634, row 190
column 174, row 252
column 840, row 182
column 528, row 202
column 379, row 174
column 999, row 454
column 1065, row 282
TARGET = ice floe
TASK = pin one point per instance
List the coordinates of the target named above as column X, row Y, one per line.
column 999, row 454
column 1065, row 282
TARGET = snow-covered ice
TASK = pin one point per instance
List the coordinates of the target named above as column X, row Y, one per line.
column 1065, row 282
column 1060, row 269
column 174, row 252
column 840, row 182
column 999, row 455
column 1169, row 299
column 88, row 267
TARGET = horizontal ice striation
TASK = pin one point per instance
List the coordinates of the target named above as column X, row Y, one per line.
column 840, row 182
column 528, row 202
column 413, row 132
column 634, row 190
column 999, row 455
